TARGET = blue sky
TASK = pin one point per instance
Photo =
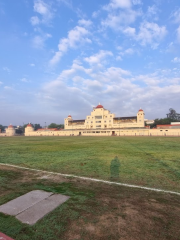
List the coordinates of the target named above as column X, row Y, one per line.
column 61, row 57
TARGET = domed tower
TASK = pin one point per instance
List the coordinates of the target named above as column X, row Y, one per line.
column 140, row 118
column 99, row 106
column 10, row 130
column 29, row 128
column 66, row 121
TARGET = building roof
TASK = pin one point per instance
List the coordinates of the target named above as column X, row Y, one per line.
column 29, row 125
column 99, row 106
column 10, row 126
column 69, row 116
column 140, row 110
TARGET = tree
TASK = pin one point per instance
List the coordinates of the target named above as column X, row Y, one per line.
column 173, row 114
column 36, row 126
column 2, row 128
column 54, row 125
column 19, row 130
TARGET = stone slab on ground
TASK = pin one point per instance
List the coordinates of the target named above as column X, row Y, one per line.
column 24, row 202
column 39, row 210
column 4, row 237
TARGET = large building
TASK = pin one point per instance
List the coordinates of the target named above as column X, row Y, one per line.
column 101, row 122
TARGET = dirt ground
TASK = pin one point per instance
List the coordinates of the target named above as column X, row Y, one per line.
column 113, row 212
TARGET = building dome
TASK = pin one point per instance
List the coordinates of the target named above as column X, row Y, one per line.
column 140, row 110
column 69, row 116
column 99, row 106
column 29, row 125
column 10, row 126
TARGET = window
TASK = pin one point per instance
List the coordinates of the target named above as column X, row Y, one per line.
column 109, row 120
column 98, row 121
column 98, row 117
column 97, row 131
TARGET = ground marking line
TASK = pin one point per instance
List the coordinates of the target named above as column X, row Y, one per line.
column 94, row 179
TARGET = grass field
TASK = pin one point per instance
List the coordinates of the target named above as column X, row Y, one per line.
column 94, row 211
column 145, row 161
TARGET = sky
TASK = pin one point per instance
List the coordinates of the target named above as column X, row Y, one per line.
column 61, row 57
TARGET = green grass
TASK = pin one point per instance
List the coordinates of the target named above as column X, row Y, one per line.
column 93, row 211
column 146, row 161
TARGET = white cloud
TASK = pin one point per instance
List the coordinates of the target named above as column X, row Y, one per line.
column 85, row 23
column 39, row 41
column 24, row 80
column 176, row 16
column 129, row 31
column 76, row 37
column 1, row 82
column 68, row 3
column 45, row 12
column 150, row 33
column 6, row 69
column 32, row 64
column 95, row 14
column 128, row 51
column 114, row 4
column 152, row 11
column 176, row 60
column 8, row 88
column 41, row 7
column 97, row 59
column 136, row 2
column 178, row 34
column 117, row 20
column 35, row 20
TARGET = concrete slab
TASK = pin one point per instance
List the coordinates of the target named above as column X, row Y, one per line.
column 39, row 210
column 4, row 237
column 23, row 202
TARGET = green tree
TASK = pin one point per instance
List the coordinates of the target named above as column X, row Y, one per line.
column 54, row 125
column 36, row 126
column 173, row 114
column 2, row 128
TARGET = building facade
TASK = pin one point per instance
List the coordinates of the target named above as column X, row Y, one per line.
column 9, row 131
column 101, row 122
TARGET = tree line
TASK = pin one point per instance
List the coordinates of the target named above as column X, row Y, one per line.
column 172, row 116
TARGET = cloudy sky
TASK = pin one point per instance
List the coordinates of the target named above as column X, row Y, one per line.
column 60, row 57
